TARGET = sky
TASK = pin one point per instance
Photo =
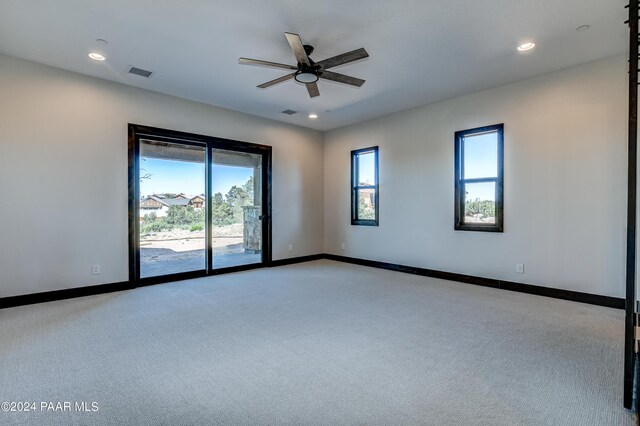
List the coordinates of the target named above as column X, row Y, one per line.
column 176, row 177
column 481, row 160
column 366, row 168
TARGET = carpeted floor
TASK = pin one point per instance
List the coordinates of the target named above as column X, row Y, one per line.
column 315, row 343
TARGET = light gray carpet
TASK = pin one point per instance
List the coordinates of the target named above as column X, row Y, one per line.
column 316, row 343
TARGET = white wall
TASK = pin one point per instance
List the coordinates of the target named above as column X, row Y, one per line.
column 565, row 183
column 63, row 179
column 63, row 174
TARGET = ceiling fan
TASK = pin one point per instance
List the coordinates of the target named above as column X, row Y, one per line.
column 307, row 71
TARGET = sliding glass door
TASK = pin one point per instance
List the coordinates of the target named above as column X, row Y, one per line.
column 172, row 217
column 236, row 208
column 198, row 205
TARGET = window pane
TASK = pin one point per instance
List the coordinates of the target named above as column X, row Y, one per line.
column 366, row 204
column 480, row 202
column 366, row 169
column 236, row 208
column 172, row 228
column 481, row 155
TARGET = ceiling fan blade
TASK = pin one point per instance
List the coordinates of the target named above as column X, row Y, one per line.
column 276, row 81
column 312, row 88
column 247, row 61
column 345, row 58
column 298, row 48
column 341, row 78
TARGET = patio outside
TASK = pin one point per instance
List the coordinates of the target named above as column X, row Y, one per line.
column 180, row 250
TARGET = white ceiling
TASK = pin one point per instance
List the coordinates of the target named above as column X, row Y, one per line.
column 421, row 51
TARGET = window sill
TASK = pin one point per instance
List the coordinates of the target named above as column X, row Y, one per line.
column 364, row 222
column 479, row 228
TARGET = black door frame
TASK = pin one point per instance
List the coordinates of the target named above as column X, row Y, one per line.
column 631, row 321
column 138, row 132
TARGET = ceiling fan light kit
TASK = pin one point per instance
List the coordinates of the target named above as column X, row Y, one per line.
column 306, row 77
column 307, row 71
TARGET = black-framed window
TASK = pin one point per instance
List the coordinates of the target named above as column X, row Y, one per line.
column 479, row 180
column 364, row 187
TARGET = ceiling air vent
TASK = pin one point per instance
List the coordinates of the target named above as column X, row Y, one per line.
column 289, row 111
column 140, row 72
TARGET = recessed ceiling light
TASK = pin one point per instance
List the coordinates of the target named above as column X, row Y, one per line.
column 96, row 56
column 313, row 116
column 526, row 46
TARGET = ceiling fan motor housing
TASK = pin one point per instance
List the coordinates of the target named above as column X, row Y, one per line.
column 308, row 49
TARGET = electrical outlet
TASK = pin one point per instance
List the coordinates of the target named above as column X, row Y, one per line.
column 343, row 246
column 95, row 270
column 290, row 247
column 519, row 268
